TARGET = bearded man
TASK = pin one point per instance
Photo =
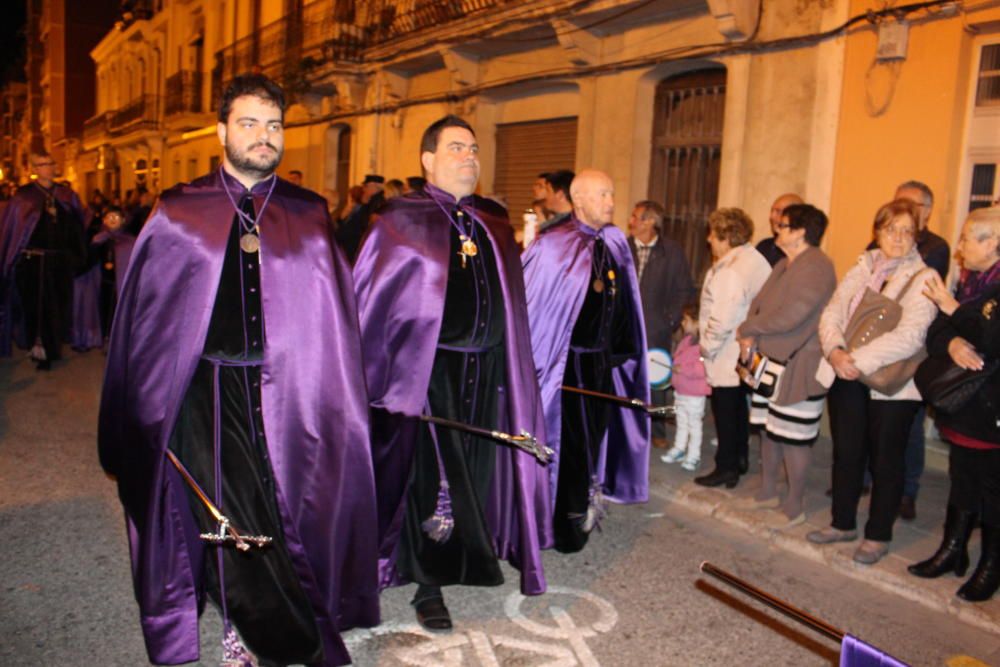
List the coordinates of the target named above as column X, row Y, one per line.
column 234, row 380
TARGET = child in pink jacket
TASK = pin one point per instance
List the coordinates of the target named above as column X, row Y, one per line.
column 690, row 390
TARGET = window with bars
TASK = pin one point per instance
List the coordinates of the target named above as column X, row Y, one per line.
column 988, row 89
column 984, row 178
column 687, row 158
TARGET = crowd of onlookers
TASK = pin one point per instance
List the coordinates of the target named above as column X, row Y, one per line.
column 780, row 340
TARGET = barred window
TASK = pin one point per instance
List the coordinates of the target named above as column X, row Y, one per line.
column 988, row 90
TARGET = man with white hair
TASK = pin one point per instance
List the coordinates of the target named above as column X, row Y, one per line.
column 587, row 333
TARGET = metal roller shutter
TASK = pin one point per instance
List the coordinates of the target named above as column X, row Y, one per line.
column 525, row 150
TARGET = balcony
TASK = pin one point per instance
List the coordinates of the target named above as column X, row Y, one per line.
column 387, row 22
column 183, row 93
column 139, row 114
column 96, row 129
column 289, row 48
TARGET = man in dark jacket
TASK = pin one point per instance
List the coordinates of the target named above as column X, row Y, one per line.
column 664, row 284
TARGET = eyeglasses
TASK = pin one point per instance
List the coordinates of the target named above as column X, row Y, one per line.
column 45, row 164
column 900, row 232
column 783, row 225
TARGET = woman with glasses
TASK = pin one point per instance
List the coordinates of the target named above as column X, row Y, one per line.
column 781, row 324
column 968, row 332
column 867, row 425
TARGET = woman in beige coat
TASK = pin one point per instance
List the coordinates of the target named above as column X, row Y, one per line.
column 866, row 425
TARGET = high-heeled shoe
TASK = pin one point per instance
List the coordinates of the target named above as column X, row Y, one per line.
column 953, row 554
column 986, row 579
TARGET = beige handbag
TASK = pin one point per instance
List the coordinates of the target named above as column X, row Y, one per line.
column 876, row 315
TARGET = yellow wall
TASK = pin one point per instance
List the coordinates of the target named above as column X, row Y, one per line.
column 919, row 136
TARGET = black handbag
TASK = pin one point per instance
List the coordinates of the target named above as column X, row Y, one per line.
column 948, row 387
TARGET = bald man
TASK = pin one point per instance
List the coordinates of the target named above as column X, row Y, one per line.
column 767, row 247
column 587, row 332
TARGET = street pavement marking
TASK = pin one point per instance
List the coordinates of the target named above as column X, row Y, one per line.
column 453, row 649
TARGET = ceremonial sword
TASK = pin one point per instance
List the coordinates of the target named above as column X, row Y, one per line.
column 226, row 532
column 525, row 442
column 634, row 403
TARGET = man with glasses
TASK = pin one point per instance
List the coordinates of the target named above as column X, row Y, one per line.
column 42, row 246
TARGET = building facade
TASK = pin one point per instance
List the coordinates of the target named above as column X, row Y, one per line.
column 694, row 103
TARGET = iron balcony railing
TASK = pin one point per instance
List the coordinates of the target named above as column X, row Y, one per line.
column 96, row 127
column 390, row 19
column 183, row 93
column 288, row 48
column 140, row 113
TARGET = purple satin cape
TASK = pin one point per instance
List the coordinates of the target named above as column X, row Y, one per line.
column 557, row 276
column 856, row 653
column 17, row 223
column 313, row 396
column 400, row 275
column 123, row 244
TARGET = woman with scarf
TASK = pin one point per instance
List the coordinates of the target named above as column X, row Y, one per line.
column 967, row 331
column 867, row 425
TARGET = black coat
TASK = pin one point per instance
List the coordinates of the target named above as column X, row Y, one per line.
column 665, row 286
column 979, row 323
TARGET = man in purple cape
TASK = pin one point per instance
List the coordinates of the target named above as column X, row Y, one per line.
column 235, row 351
column 445, row 333
column 587, row 332
column 42, row 246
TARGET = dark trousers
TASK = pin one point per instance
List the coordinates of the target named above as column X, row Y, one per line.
column 732, row 425
column 869, row 431
column 915, row 454
column 975, row 482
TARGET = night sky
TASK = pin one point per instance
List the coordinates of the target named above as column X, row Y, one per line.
column 12, row 18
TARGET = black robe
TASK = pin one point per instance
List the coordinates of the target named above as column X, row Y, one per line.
column 466, row 385
column 601, row 339
column 55, row 252
column 264, row 598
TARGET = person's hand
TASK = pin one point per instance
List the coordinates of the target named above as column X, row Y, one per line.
column 745, row 346
column 936, row 291
column 843, row 365
column 964, row 354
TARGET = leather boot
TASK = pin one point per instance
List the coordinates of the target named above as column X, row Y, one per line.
column 986, row 579
column 953, row 554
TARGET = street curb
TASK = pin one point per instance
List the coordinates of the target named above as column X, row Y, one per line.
column 889, row 575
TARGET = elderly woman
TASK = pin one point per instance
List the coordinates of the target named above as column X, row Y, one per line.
column 782, row 325
column 866, row 424
column 737, row 274
column 968, row 332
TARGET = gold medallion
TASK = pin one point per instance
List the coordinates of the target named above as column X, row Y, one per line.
column 469, row 247
column 108, row 266
column 249, row 243
column 598, row 285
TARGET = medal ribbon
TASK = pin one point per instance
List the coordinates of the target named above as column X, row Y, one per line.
column 244, row 218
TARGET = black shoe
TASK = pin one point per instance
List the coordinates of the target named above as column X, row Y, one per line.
column 744, row 465
column 431, row 613
column 44, row 365
column 953, row 553
column 907, row 509
column 985, row 581
column 719, row 477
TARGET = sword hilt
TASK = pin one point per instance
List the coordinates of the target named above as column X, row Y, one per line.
column 226, row 533
column 528, row 443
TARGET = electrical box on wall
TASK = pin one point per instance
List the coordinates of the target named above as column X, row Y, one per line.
column 892, row 40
